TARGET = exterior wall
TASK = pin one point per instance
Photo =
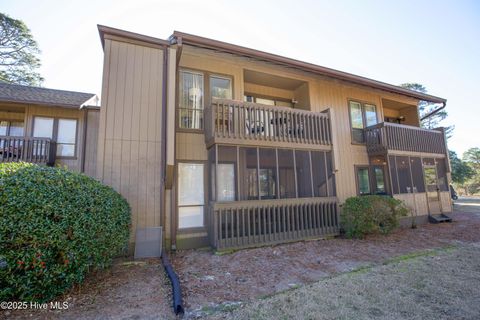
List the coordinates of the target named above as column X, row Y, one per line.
column 91, row 143
column 27, row 113
column 130, row 128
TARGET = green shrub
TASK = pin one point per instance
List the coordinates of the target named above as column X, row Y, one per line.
column 371, row 214
column 55, row 226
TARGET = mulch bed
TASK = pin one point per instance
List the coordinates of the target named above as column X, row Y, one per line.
column 209, row 279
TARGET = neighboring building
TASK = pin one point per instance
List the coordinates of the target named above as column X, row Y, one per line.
column 48, row 126
column 231, row 147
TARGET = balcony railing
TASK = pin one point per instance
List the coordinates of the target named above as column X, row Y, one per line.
column 27, row 149
column 236, row 122
column 386, row 136
column 261, row 222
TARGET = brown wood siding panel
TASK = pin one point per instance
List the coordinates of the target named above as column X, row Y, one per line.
column 91, row 143
column 132, row 122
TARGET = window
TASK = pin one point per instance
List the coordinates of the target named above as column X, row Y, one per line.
column 191, row 199
column 404, row 178
column 220, row 87
column 361, row 116
column 279, row 102
column 379, row 180
column 393, row 174
column 63, row 131
column 363, row 180
column 191, row 96
column 11, row 128
column 191, row 100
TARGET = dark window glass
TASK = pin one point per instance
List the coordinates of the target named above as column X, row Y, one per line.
column 332, row 187
column 319, row 173
column 363, row 180
column 393, row 174
column 226, row 173
column 379, row 180
column 442, row 175
column 417, row 174
column 268, row 174
column 404, row 180
column 286, row 174
column 304, row 178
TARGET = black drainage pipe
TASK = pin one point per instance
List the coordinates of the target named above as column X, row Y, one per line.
column 176, row 290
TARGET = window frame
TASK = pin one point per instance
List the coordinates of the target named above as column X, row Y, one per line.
column 357, row 181
column 205, row 198
column 364, row 118
column 55, row 134
column 267, row 97
column 207, row 99
column 9, row 125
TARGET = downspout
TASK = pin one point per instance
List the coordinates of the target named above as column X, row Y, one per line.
column 84, row 146
column 176, row 289
column 444, row 104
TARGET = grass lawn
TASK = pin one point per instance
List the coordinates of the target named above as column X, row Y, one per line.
column 434, row 284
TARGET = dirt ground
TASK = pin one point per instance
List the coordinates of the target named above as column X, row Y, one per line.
column 211, row 282
column 439, row 284
column 128, row 290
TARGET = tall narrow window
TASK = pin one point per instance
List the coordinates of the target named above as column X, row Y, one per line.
column 332, row 187
column 442, row 174
column 361, row 116
column 379, row 180
column 417, row 174
column 191, row 199
column 66, row 136
column 191, row 99
column 363, row 180
column 393, row 174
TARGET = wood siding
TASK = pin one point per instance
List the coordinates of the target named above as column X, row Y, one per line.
column 324, row 93
column 91, row 143
column 130, row 128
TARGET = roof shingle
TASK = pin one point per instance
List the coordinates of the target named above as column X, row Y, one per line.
column 42, row 96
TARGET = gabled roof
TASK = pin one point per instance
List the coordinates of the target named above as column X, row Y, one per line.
column 181, row 38
column 44, row 96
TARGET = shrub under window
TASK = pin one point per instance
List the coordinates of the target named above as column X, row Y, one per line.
column 55, row 227
column 364, row 215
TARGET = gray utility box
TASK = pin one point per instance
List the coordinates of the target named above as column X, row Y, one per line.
column 148, row 242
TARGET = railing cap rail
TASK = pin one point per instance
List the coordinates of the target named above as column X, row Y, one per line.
column 218, row 101
column 271, row 202
column 404, row 126
column 26, row 138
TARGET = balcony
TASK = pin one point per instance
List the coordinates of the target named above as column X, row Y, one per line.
column 243, row 123
column 243, row 224
column 386, row 137
column 27, row 149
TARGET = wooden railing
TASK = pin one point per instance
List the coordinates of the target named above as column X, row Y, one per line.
column 229, row 121
column 390, row 136
column 260, row 222
column 27, row 149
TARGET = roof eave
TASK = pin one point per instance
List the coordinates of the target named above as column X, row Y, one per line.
column 231, row 48
column 104, row 30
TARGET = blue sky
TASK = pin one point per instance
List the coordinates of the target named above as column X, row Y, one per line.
column 435, row 43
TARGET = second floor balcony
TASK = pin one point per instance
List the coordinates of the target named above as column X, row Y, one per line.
column 245, row 123
column 386, row 137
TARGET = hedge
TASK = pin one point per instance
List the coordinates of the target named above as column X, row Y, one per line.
column 364, row 215
column 55, row 227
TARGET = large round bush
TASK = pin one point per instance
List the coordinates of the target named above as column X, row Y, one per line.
column 55, row 226
column 371, row 214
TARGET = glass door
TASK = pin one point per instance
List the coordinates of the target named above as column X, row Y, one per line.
column 431, row 184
